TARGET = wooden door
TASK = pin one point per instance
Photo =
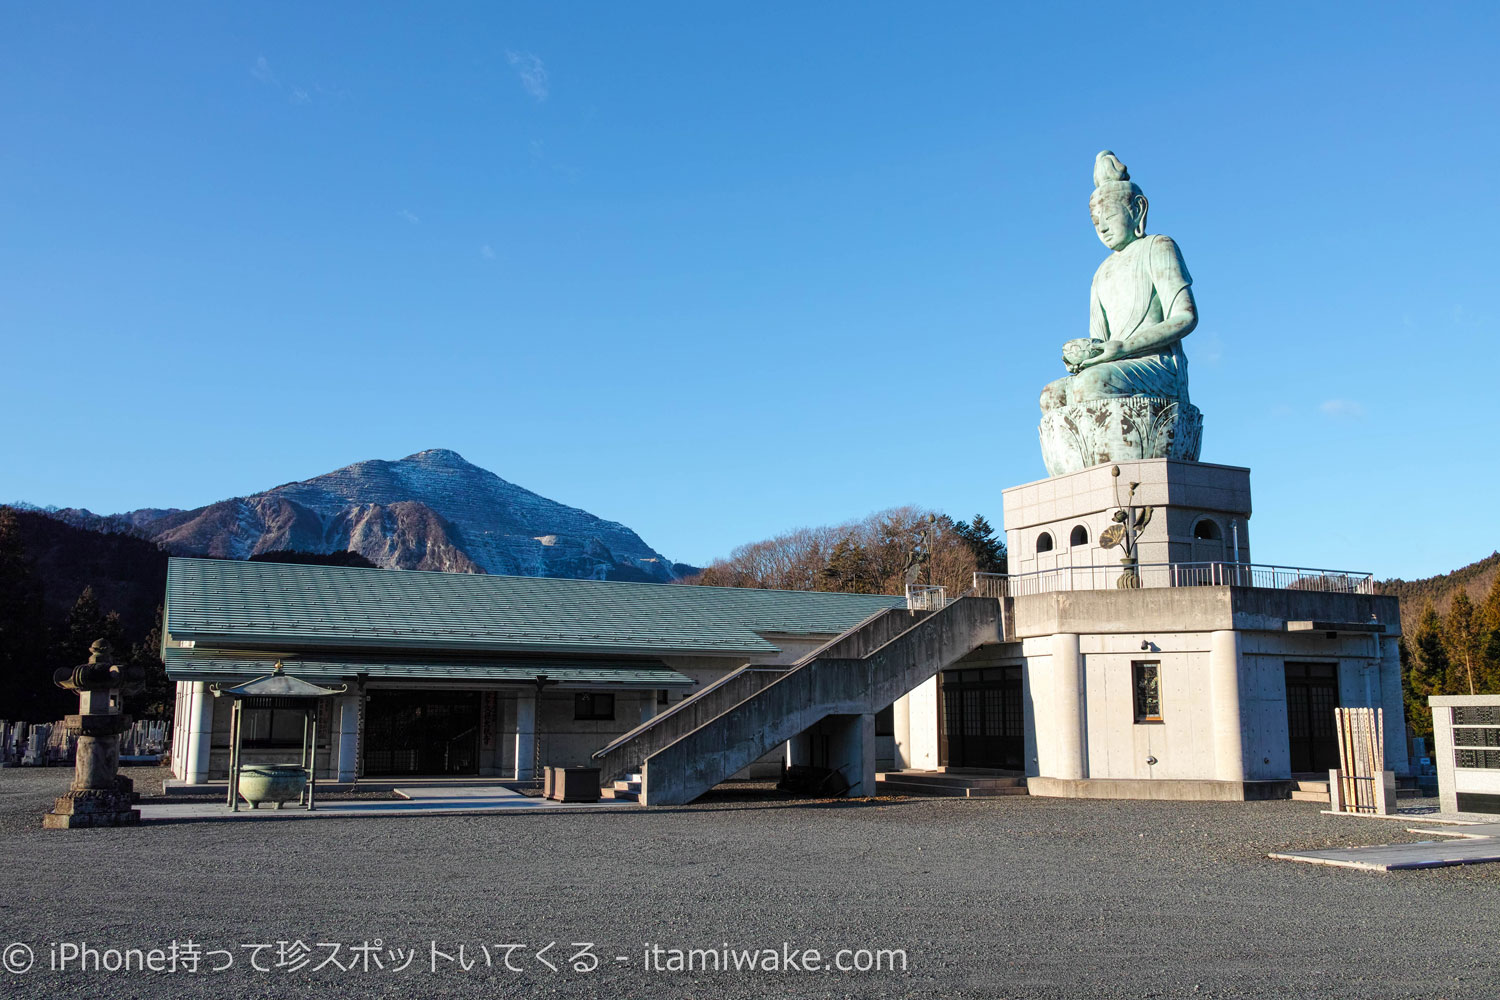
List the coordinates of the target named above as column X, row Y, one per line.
column 1312, row 693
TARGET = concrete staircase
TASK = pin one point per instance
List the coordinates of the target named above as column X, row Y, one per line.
column 838, row 690
column 627, row 788
column 956, row 784
column 1309, row 790
column 628, row 752
column 1315, row 790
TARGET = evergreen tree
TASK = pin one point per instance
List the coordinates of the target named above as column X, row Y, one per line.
column 1464, row 637
column 23, row 635
column 979, row 536
column 85, row 623
column 1489, row 619
column 849, row 570
column 1425, row 667
column 157, row 693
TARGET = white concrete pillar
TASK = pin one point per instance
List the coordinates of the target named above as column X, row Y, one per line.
column 346, row 738
column 1224, row 705
column 526, row 736
column 861, row 745
column 179, row 729
column 851, row 751
column 1394, row 704
column 1442, row 755
column 901, row 724
column 1067, row 705
column 922, row 714
column 799, row 750
column 200, row 734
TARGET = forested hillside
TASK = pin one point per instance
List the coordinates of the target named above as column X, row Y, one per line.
column 1451, row 635
column 875, row 555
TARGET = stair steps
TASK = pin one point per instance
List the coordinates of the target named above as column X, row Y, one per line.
column 627, row 788
column 839, row 688
column 951, row 785
column 1317, row 791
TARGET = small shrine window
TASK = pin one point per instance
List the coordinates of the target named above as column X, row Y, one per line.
column 1044, row 542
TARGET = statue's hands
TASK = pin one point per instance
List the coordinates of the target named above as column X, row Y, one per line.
column 1075, row 351
column 1109, row 350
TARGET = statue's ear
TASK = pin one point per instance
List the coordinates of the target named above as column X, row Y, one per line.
column 1141, row 206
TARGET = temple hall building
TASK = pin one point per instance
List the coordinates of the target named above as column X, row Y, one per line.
column 456, row 673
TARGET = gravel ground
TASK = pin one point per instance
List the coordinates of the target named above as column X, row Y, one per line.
column 1007, row 897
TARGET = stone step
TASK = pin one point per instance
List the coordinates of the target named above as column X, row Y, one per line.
column 934, row 789
column 627, row 795
column 1304, row 795
column 955, row 780
column 627, row 785
column 1313, row 786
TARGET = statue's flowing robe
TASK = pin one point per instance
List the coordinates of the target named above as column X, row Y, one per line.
column 1136, row 288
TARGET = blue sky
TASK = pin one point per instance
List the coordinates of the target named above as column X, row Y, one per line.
column 719, row 271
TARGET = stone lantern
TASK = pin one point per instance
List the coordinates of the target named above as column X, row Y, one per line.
column 99, row 796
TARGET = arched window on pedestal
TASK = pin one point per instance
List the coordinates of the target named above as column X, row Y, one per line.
column 1208, row 541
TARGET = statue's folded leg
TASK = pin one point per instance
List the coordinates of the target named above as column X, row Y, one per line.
column 1128, row 377
column 1056, row 393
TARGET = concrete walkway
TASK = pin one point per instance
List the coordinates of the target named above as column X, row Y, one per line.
column 439, row 798
column 1472, row 838
column 1396, row 857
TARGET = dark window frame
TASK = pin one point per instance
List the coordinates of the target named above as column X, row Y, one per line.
column 1140, row 702
column 270, row 741
column 1206, row 529
column 590, row 706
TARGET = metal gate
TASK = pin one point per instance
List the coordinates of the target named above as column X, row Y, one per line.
column 422, row 732
column 1312, row 693
column 981, row 719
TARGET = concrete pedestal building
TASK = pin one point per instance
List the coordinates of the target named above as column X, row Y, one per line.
column 1204, row 676
column 1142, row 652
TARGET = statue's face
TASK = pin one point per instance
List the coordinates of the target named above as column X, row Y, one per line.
column 1115, row 221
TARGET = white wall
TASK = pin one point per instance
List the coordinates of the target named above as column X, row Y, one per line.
column 1116, row 746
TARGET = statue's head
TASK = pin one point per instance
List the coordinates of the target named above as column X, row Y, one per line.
column 1118, row 206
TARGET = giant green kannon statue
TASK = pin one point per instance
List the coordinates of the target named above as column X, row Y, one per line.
column 1126, row 394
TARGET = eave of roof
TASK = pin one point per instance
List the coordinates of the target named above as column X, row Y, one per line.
column 237, row 665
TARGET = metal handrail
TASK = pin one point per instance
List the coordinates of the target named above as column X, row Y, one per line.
column 1179, row 574
column 925, row 597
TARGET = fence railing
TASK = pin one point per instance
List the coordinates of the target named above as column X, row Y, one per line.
column 1185, row 574
column 924, row 597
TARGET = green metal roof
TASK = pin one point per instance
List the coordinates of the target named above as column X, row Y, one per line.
column 252, row 604
column 232, row 665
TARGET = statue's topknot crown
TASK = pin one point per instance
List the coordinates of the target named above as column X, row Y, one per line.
column 1108, row 168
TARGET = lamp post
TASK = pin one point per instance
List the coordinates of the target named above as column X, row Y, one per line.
column 99, row 796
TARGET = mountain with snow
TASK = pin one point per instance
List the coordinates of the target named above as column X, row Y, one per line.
column 432, row 510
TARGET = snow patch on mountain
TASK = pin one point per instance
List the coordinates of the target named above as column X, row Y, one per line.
column 430, row 510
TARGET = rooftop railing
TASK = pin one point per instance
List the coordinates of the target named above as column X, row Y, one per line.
column 1183, row 574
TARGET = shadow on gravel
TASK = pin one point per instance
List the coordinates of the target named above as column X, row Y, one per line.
column 712, row 803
